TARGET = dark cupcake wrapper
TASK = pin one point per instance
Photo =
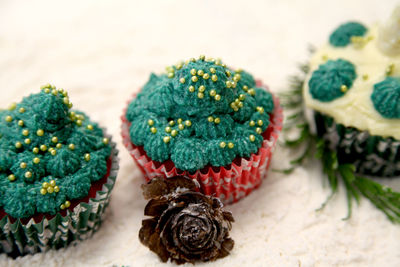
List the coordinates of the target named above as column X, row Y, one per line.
column 18, row 237
column 371, row 155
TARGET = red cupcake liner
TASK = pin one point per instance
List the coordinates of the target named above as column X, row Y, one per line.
column 229, row 183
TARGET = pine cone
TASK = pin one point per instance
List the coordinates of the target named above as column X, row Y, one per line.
column 186, row 226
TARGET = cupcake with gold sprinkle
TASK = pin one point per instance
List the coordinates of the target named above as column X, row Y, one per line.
column 207, row 121
column 57, row 169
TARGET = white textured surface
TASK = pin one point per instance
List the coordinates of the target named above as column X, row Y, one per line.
column 102, row 51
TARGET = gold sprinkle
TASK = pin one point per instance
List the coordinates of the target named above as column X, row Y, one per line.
column 231, row 145
column 70, row 105
column 233, row 105
column 212, row 70
column 25, row 132
column 210, row 119
column 206, row 76
column 28, row 175
column 213, row 93
column 66, row 100
column 35, row 150
column 153, row 130
column 27, row 141
column 62, row 206
column 166, row 139
column 43, row 191
column 21, row 123
column 59, row 145
column 56, row 189
column 193, row 71
column 40, row 132
column 179, row 120
column 182, row 80
column 343, row 88
column 222, row 144
column 217, row 97
column 9, row 119
column 67, row 204
column 23, row 165
column 90, row 127
column 50, row 189
column 106, row 140
column 54, row 139
column 228, row 73
column 168, row 129
column 87, row 157
column 202, row 88
column 179, row 66
column 191, row 88
column 194, row 79
column 252, row 123
column 21, row 110
column 193, row 59
column 53, row 152
column 237, row 77
column 242, row 97
column 12, row 106
column 18, row 144
column 36, row 160
column 214, row 78
column 200, row 72
column 252, row 138
column 258, row 130
column 54, row 92
column 237, row 101
column 200, row 95
column 45, row 185
column 47, row 90
column 260, row 110
column 171, row 123
column 188, row 123
column 260, row 122
column 240, row 104
column 43, row 147
column 174, row 133
column 245, row 88
column 252, row 92
column 202, row 57
column 181, row 127
column 79, row 122
column 71, row 146
column 150, row 122
column 171, row 75
column 11, row 177
column 228, row 84
column 217, row 120
column 53, row 183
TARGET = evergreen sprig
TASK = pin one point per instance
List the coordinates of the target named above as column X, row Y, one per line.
column 382, row 197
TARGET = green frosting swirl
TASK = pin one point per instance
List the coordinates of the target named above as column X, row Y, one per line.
column 332, row 80
column 200, row 112
column 342, row 35
column 49, row 154
column 386, row 97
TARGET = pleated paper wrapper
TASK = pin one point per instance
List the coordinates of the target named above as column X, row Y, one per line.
column 44, row 232
column 371, row 155
column 229, row 183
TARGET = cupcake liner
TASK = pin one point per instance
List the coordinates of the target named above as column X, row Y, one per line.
column 79, row 222
column 371, row 155
column 229, row 183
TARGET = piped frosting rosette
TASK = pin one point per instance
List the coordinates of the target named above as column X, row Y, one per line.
column 57, row 171
column 204, row 120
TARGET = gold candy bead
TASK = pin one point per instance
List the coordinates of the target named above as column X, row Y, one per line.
column 228, row 84
column 343, row 88
column 67, row 204
column 50, row 189
column 22, row 165
column 90, row 127
column 251, row 92
column 9, row 119
column 222, row 144
column 43, row 147
column 153, row 130
column 171, row 75
column 43, row 191
column 166, row 139
column 25, row 132
column 71, row 146
column 27, row 141
column 179, row 120
column 171, row 123
column 245, row 88
column 79, row 122
column 174, row 133
column 213, row 93
column 182, row 80
column 53, row 152
column 36, row 160
column 210, row 119
column 212, row 70
column 18, row 144
column 231, row 145
column 194, row 79
column 217, row 120
column 202, row 88
column 52, row 183
column 191, row 88
column 260, row 122
column 40, row 132
column 193, row 71
column 106, row 141
column 188, row 123
column 168, row 129
column 35, row 150
column 28, row 175
column 11, row 177
column 12, row 106
column 200, row 95
column 21, row 123
column 21, row 110
column 242, row 97
column 150, row 122
column 200, row 72
column 217, row 97
column 181, row 127
column 45, row 185
column 206, row 76
column 62, row 206
column 54, row 139
column 56, row 189
column 214, row 78
column 252, row 138
column 58, row 145
column 87, row 156
column 258, row 130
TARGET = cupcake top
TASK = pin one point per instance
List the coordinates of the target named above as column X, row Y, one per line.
column 200, row 112
column 355, row 78
column 49, row 155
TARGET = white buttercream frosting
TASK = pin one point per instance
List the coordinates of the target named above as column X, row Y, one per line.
column 355, row 108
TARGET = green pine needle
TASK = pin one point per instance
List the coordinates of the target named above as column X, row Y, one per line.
column 382, row 197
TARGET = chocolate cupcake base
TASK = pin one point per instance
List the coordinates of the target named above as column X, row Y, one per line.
column 371, row 155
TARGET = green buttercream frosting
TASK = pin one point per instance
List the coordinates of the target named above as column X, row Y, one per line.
column 342, row 35
column 198, row 113
column 49, row 155
column 386, row 98
column 332, row 80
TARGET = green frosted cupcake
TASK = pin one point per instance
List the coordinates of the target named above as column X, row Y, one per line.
column 57, row 168
column 207, row 121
